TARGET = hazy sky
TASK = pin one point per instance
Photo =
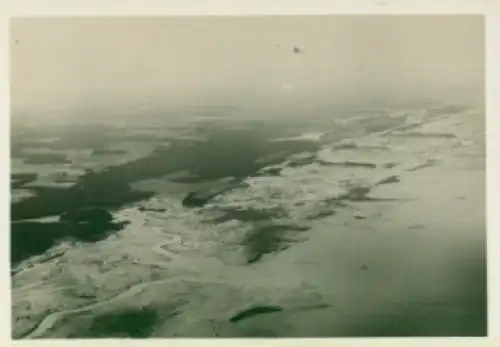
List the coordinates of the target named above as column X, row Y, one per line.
column 113, row 63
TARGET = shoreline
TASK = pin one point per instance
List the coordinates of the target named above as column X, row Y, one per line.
column 371, row 257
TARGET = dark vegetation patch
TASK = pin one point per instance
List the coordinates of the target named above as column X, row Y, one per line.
column 357, row 193
column 225, row 154
column 19, row 180
column 45, row 158
column 428, row 163
column 30, row 238
column 389, row 180
column 200, row 197
column 302, row 161
column 259, row 310
column 390, row 165
column 142, row 209
column 34, row 238
column 52, row 257
column 321, row 214
column 267, row 238
column 346, row 146
column 273, row 172
column 92, row 190
column 131, row 323
column 354, row 146
column 424, row 135
column 348, row 164
column 254, row 311
column 134, row 322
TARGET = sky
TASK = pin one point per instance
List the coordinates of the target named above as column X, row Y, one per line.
column 73, row 65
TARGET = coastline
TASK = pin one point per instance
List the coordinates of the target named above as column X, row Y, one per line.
column 413, row 253
column 408, row 265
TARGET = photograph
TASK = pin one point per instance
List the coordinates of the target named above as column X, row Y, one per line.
column 247, row 176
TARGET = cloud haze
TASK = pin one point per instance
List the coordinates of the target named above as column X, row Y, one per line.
column 71, row 65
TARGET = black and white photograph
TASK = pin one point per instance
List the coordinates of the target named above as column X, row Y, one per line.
column 280, row 176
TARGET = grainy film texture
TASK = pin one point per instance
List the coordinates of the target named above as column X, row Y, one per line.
column 248, row 177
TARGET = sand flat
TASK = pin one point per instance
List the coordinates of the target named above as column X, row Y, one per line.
column 413, row 255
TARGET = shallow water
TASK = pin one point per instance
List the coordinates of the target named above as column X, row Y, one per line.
column 339, row 241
